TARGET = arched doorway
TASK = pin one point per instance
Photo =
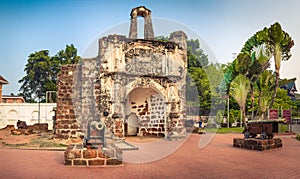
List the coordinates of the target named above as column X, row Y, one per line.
column 132, row 125
column 145, row 111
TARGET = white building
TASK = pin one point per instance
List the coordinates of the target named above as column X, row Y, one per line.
column 10, row 113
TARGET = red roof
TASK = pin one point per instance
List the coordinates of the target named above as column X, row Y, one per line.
column 3, row 80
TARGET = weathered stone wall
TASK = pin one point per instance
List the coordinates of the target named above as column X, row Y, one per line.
column 87, row 92
column 101, row 86
column 77, row 155
column 66, row 124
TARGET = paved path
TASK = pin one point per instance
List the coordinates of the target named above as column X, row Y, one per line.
column 218, row 160
column 296, row 128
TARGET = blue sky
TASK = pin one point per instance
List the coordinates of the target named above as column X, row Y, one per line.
column 224, row 25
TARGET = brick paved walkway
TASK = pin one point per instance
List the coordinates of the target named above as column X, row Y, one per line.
column 218, row 160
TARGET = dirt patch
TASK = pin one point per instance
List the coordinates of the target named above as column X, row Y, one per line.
column 37, row 140
column 7, row 138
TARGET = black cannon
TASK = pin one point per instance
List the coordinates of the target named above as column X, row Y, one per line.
column 265, row 128
column 95, row 134
column 21, row 124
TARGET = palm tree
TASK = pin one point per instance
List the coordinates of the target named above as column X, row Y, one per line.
column 239, row 89
column 265, row 85
column 279, row 43
column 260, row 62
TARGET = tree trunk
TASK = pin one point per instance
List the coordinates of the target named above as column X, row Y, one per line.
column 244, row 119
column 258, row 103
column 252, row 102
column 275, row 89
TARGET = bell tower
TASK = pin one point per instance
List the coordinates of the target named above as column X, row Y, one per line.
column 148, row 29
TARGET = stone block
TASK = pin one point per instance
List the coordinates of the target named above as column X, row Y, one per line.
column 80, row 162
column 65, row 126
column 68, row 162
column 262, row 142
column 113, row 162
column 65, row 131
column 96, row 162
column 108, row 152
column 251, row 142
column 271, row 141
column 279, row 145
column 74, row 126
column 237, row 145
column 278, row 140
column 89, row 153
column 101, row 154
column 261, row 147
column 72, row 154
column 71, row 146
column 272, row 146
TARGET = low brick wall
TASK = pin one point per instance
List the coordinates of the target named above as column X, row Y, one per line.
column 77, row 155
column 257, row 144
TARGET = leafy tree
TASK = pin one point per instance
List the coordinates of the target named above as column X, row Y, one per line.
column 234, row 115
column 279, row 43
column 204, row 78
column 260, row 62
column 219, row 117
column 283, row 101
column 239, row 89
column 196, row 56
column 201, row 83
column 259, row 48
column 265, row 84
column 41, row 72
column 38, row 76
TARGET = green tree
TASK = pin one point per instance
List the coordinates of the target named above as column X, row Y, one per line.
column 283, row 101
column 239, row 89
column 260, row 62
column 279, row 43
column 38, row 76
column 199, row 81
column 260, row 47
column 196, row 56
column 200, row 76
column 41, row 72
column 265, row 84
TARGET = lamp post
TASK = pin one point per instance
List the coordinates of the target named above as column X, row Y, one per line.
column 39, row 104
column 39, row 113
column 228, row 111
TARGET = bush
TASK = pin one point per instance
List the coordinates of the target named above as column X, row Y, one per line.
column 282, row 128
column 298, row 137
column 219, row 117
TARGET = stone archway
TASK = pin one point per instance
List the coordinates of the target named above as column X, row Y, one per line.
column 141, row 11
column 145, row 112
column 132, row 127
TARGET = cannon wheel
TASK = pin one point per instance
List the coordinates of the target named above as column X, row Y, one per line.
column 263, row 135
column 246, row 134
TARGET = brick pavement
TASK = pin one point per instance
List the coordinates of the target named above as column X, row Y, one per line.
column 218, row 160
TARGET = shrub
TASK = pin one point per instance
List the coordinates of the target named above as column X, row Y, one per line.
column 298, row 137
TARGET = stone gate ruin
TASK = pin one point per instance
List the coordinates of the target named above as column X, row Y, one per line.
column 134, row 86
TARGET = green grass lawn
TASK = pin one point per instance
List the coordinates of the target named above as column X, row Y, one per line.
column 225, row 130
